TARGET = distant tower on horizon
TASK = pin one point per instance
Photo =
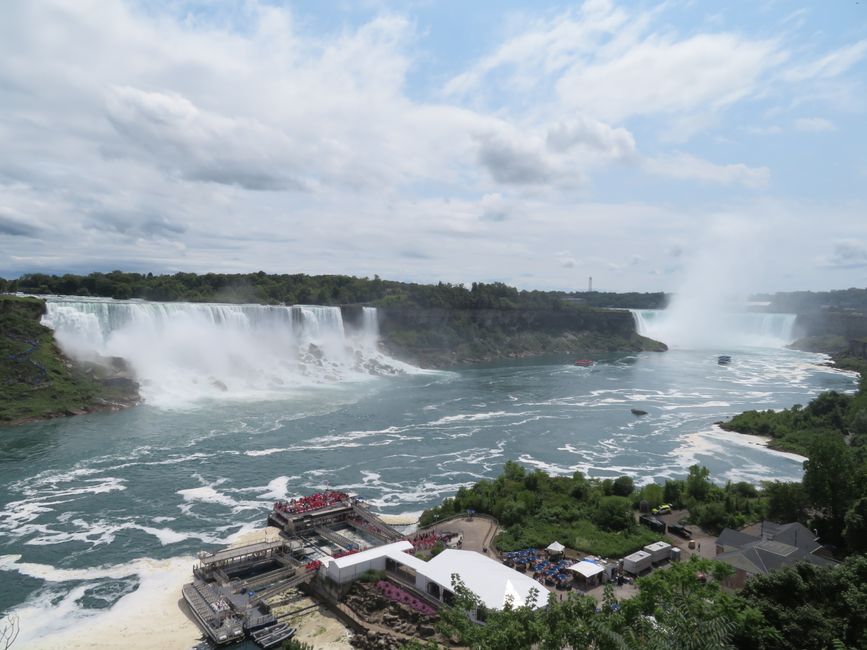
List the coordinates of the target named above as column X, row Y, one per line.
column 590, row 284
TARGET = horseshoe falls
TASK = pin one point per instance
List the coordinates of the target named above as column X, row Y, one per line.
column 715, row 329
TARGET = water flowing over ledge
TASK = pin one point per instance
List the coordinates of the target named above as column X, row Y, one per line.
column 715, row 329
column 183, row 352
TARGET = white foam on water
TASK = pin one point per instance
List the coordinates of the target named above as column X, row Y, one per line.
column 743, row 453
column 475, row 417
column 554, row 469
column 46, row 491
column 267, row 452
column 277, row 489
column 54, row 618
column 700, row 405
column 209, row 494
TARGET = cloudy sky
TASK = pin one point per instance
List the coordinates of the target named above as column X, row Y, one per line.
column 528, row 142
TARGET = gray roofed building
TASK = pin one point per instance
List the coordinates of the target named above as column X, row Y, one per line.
column 730, row 539
column 779, row 546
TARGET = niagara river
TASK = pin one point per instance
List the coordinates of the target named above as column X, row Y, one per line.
column 244, row 405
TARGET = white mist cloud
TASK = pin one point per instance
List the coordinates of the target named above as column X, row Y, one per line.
column 687, row 167
column 814, row 125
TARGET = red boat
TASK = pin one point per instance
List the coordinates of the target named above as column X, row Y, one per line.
column 584, row 362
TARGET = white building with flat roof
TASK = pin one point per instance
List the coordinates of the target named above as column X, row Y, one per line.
column 494, row 583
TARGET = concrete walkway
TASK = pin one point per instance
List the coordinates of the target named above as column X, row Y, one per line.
column 478, row 533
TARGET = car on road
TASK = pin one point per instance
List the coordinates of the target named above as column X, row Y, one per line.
column 664, row 509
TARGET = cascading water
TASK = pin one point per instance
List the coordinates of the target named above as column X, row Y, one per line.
column 181, row 352
column 715, row 330
column 370, row 326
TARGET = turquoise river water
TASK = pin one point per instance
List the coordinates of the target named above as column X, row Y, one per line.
column 89, row 502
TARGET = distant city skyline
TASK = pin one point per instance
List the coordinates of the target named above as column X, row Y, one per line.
column 652, row 146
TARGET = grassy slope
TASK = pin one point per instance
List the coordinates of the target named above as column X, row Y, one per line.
column 36, row 380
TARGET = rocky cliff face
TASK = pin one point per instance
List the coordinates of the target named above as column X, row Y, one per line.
column 445, row 337
column 849, row 325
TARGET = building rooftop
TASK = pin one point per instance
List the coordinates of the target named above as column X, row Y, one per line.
column 780, row 545
column 586, row 569
column 637, row 556
column 394, row 551
column 491, row 581
column 240, row 551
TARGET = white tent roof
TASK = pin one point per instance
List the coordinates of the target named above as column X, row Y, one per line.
column 487, row 578
column 556, row 547
column 586, row 569
column 394, row 551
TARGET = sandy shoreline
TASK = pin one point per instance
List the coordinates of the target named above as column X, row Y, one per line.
column 754, row 440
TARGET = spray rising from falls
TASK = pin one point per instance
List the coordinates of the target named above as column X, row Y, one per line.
column 715, row 329
column 182, row 352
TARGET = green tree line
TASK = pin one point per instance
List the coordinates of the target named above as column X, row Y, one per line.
column 831, row 431
column 309, row 289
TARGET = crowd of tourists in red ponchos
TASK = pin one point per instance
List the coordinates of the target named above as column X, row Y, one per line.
column 310, row 503
column 398, row 595
column 424, row 541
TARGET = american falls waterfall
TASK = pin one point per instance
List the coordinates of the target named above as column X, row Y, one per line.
column 183, row 352
column 715, row 329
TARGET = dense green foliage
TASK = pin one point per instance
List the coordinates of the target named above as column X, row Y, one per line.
column 830, row 414
column 804, row 607
column 627, row 300
column 675, row 609
column 35, row 380
column 314, row 289
column 536, row 509
column 711, row 506
column 597, row 516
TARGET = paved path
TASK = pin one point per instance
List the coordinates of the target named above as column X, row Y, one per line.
column 705, row 544
column 478, row 533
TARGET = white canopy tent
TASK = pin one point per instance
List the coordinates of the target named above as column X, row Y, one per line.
column 587, row 569
column 555, row 547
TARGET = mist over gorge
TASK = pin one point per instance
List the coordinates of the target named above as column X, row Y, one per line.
column 183, row 352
